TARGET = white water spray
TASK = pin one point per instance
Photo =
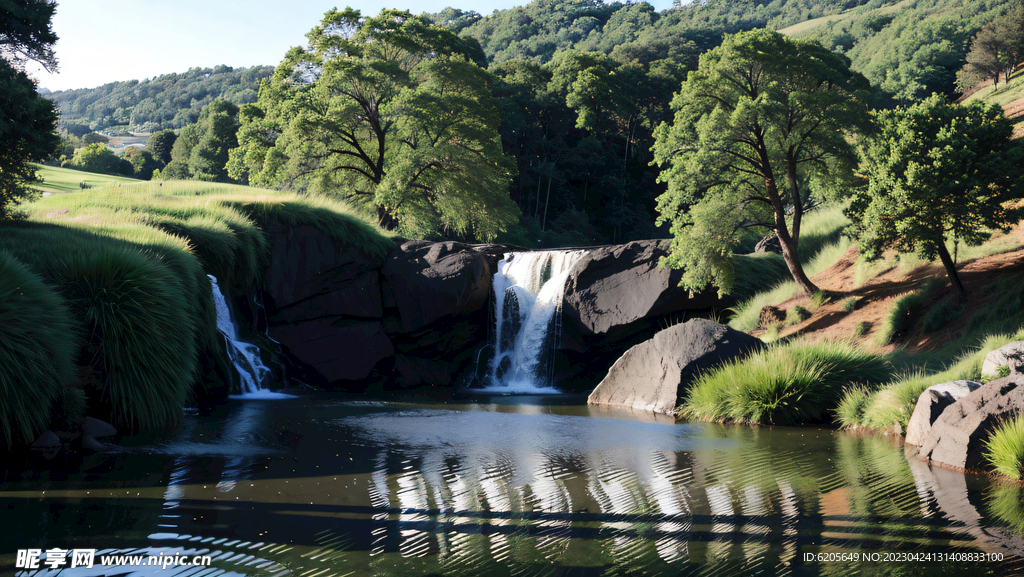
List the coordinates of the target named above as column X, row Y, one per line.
column 528, row 290
column 244, row 356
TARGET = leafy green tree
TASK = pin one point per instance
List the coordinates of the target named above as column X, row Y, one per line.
column 390, row 113
column 27, row 120
column 758, row 124
column 200, row 152
column 160, row 144
column 142, row 161
column 996, row 50
column 100, row 159
column 937, row 172
column 94, row 138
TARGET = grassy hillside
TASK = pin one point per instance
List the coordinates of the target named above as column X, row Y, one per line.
column 56, row 180
column 129, row 262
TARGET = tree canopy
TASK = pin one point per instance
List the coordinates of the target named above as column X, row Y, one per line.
column 27, row 120
column 391, row 113
column 759, row 127
column 937, row 172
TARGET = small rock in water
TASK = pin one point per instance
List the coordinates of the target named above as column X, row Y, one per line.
column 47, row 440
column 98, row 428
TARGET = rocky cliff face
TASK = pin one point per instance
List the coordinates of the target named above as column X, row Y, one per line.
column 420, row 315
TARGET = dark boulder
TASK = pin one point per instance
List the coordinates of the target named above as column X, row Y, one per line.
column 323, row 305
column 652, row 375
column 957, row 438
column 424, row 282
column 615, row 286
column 616, row 297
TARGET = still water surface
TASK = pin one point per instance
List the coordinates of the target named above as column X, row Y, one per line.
column 331, row 485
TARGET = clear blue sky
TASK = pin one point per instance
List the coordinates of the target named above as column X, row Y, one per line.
column 109, row 40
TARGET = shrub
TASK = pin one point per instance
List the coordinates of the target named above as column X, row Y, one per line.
column 787, row 384
column 862, row 328
column 800, row 313
column 138, row 307
column 850, row 411
column 37, row 349
column 850, row 304
column 940, row 315
column 1005, row 448
column 903, row 311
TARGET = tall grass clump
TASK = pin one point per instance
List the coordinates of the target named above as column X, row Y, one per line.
column 37, row 350
column 895, row 402
column 789, row 384
column 136, row 312
column 903, row 311
column 1005, row 448
column 850, row 411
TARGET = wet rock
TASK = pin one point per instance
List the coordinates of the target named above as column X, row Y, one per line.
column 427, row 281
column 1010, row 356
column 653, row 375
column 89, row 443
column 957, row 437
column 97, row 428
column 615, row 286
column 47, row 440
column 336, row 350
column 930, row 405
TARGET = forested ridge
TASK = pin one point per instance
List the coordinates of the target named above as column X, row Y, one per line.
column 166, row 101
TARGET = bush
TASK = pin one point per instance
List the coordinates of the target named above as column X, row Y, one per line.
column 862, row 328
column 137, row 307
column 940, row 315
column 1005, row 448
column 783, row 385
column 801, row 314
column 903, row 312
column 850, row 411
column 850, row 304
column 37, row 350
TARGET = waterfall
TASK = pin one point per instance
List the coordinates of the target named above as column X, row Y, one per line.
column 244, row 356
column 528, row 290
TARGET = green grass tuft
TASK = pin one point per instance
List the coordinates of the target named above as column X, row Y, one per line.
column 850, row 304
column 1005, row 448
column 903, row 312
column 788, row 384
column 37, row 349
column 850, row 411
column 800, row 313
column 862, row 328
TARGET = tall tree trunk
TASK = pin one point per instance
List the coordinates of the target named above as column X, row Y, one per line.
column 954, row 278
column 789, row 254
column 544, row 221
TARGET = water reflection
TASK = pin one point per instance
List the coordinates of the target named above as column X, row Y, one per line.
column 326, row 486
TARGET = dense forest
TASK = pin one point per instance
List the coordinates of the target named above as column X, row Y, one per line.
column 167, row 101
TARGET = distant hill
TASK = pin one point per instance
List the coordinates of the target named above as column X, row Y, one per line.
column 167, row 101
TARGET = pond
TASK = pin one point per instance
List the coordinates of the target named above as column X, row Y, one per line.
column 327, row 485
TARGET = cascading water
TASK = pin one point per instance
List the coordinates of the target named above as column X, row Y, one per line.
column 528, row 290
column 245, row 356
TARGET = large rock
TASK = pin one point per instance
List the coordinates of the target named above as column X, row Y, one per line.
column 930, row 405
column 309, row 276
column 652, row 375
column 1010, row 356
column 424, row 282
column 957, row 438
column 335, row 350
column 617, row 285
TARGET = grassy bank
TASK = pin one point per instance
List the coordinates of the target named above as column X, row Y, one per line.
column 59, row 180
column 785, row 384
column 115, row 279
